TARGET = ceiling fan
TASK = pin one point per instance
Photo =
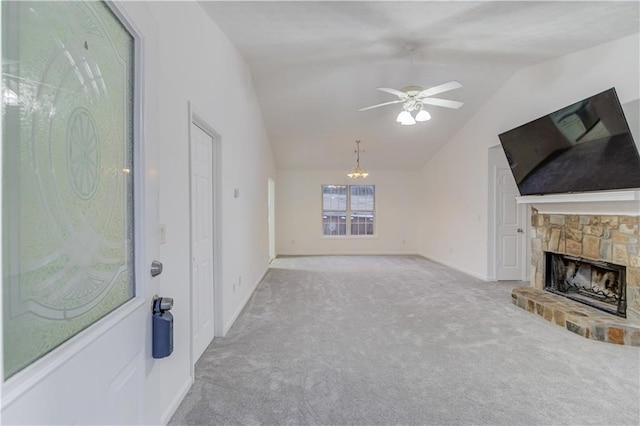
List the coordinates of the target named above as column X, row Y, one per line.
column 414, row 97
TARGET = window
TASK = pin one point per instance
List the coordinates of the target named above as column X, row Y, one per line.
column 361, row 209
column 334, row 209
column 348, row 209
column 67, row 196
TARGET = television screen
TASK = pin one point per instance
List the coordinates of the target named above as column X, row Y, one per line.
column 586, row 146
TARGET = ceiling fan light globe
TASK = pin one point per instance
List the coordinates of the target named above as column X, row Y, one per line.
column 404, row 116
column 409, row 121
column 423, row 115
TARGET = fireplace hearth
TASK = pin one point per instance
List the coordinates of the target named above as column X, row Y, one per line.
column 594, row 283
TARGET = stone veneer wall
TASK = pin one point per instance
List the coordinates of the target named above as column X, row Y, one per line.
column 612, row 239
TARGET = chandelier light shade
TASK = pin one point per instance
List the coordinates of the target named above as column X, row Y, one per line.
column 358, row 172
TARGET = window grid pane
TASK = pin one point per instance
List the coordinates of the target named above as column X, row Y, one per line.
column 362, row 197
column 334, row 197
column 362, row 223
column 334, row 223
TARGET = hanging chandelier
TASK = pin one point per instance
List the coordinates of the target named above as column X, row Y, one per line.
column 358, row 172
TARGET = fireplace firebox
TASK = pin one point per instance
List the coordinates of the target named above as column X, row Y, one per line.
column 594, row 283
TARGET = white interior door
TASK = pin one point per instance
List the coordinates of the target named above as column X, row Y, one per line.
column 202, row 239
column 271, row 218
column 510, row 226
column 77, row 317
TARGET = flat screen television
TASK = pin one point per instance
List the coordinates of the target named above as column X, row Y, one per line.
column 584, row 147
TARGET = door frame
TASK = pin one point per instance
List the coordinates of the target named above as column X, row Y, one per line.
column 497, row 160
column 197, row 119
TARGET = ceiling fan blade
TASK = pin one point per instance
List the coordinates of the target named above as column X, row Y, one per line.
column 382, row 104
column 439, row 89
column 442, row 102
column 398, row 93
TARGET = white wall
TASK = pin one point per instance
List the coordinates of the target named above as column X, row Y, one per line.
column 299, row 214
column 195, row 62
column 454, row 183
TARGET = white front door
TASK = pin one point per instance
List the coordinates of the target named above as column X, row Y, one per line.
column 76, row 241
column 202, row 239
column 510, row 227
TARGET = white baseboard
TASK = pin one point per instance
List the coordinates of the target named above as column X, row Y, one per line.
column 433, row 258
column 236, row 314
column 173, row 406
column 298, row 254
column 456, row 267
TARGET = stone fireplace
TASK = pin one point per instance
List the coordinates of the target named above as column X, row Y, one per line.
column 598, row 254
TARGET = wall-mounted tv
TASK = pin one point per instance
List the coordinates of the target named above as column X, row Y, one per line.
column 584, row 147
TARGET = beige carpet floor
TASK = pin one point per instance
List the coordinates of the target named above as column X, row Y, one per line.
column 385, row 340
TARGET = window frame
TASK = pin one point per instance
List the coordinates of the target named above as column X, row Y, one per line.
column 347, row 213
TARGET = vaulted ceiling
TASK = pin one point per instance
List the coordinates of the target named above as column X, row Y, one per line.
column 315, row 63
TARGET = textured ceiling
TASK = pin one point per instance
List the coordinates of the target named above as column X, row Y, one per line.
column 314, row 64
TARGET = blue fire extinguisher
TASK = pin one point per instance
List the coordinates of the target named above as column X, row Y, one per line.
column 162, row 327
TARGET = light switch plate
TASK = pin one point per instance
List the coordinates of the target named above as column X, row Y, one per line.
column 163, row 233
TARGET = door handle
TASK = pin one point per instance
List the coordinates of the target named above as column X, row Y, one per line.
column 156, row 268
column 520, row 231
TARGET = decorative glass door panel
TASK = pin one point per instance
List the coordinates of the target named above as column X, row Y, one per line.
column 67, row 215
